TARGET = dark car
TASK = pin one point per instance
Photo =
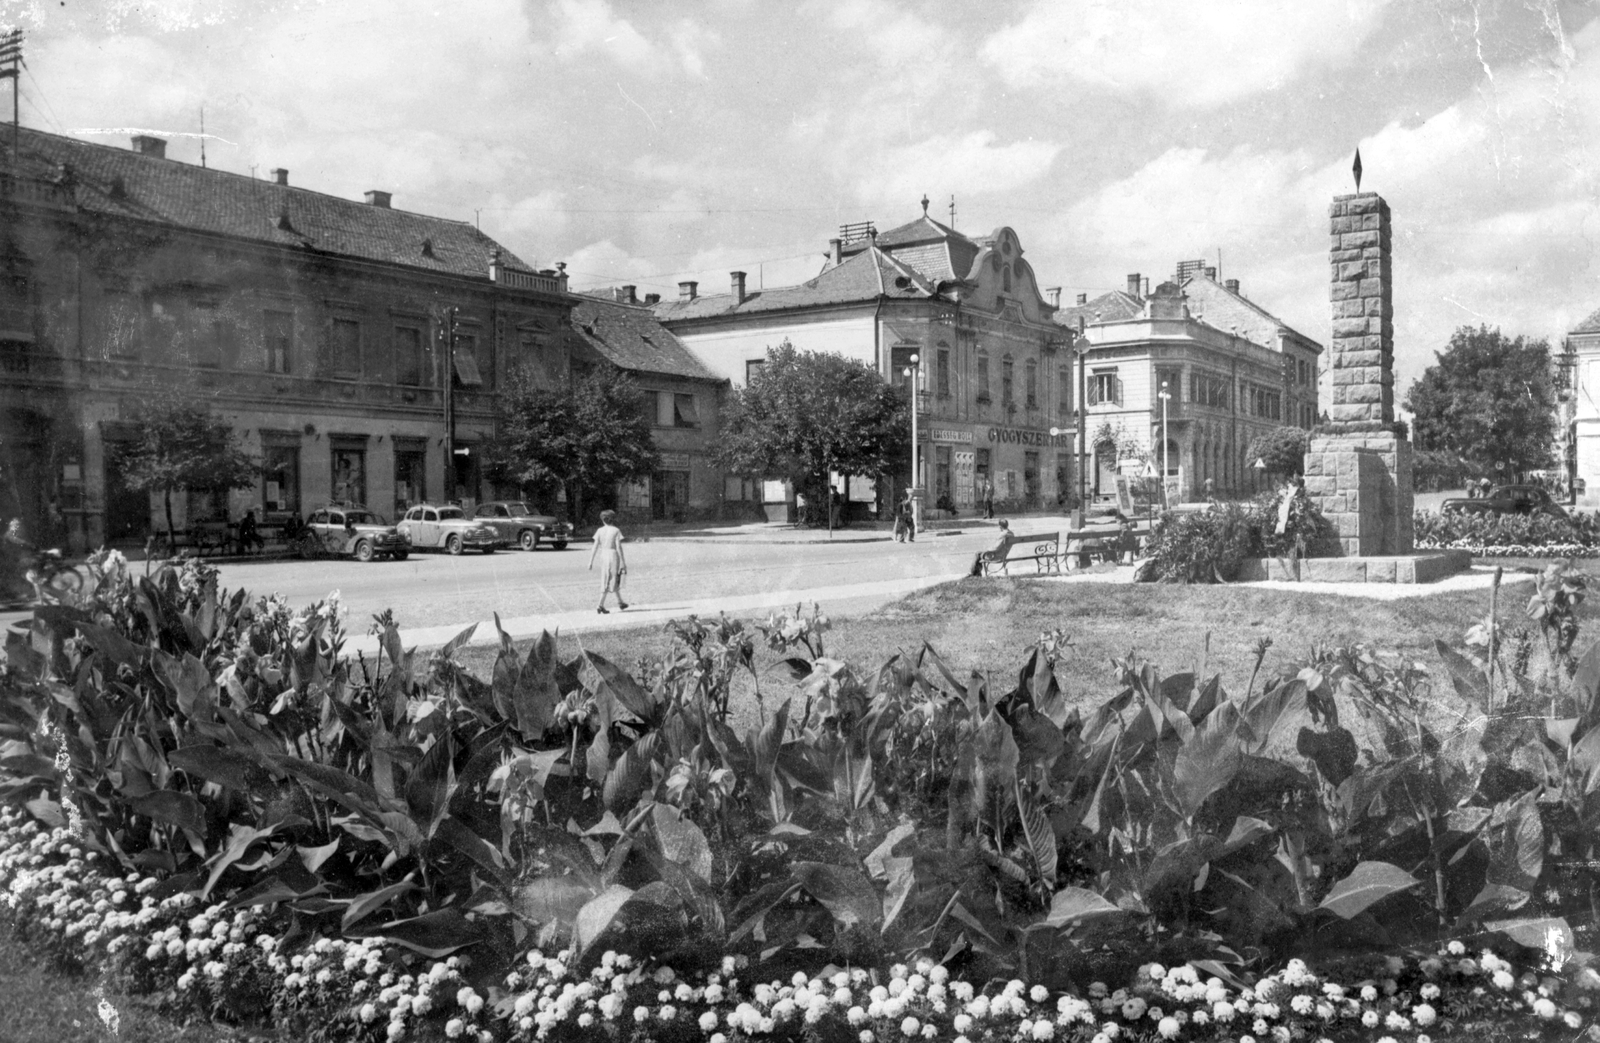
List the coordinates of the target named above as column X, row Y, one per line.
column 1508, row 499
column 340, row 529
column 518, row 523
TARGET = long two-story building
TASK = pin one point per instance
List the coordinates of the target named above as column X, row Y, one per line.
column 326, row 331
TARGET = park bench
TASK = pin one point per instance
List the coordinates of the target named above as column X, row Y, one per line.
column 1094, row 543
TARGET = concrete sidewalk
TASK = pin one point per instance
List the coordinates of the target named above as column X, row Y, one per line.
column 1481, row 577
column 589, row 621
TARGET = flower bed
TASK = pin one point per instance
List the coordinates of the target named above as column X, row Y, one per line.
column 208, row 800
column 1509, row 535
column 221, row 960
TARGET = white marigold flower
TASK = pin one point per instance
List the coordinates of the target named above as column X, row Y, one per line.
column 1396, row 1021
column 1038, row 994
column 1133, row 1008
column 866, row 1036
column 368, row 1013
column 1544, row 1008
column 1369, row 993
column 1301, row 1004
column 667, row 1013
column 717, row 1037
column 708, row 1021
column 1260, row 1027
column 454, row 1028
column 641, row 1014
column 1504, row 980
column 1423, row 1014
column 1370, row 1019
column 910, row 1027
column 1222, row 1011
column 1455, row 948
column 397, row 1031
column 1429, row 991
column 586, row 1019
column 1200, row 1017
column 1043, row 1029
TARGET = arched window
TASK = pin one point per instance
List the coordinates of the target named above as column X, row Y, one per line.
column 1030, row 383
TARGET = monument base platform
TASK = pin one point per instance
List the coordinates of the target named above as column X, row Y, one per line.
column 1401, row 568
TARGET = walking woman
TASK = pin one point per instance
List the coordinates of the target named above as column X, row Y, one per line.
column 613, row 566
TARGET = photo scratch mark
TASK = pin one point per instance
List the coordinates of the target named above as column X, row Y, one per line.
column 641, row 108
column 1475, row 314
column 126, row 131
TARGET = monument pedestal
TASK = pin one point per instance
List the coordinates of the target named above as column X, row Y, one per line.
column 1361, row 482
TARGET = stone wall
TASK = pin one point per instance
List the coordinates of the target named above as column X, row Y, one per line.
column 1362, row 354
column 1361, row 481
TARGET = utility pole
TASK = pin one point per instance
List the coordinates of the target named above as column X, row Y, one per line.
column 1082, row 347
column 11, row 58
column 449, row 404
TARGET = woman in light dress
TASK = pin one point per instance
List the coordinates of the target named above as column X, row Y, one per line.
column 613, row 566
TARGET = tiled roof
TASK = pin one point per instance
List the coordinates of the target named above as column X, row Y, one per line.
column 130, row 184
column 628, row 336
column 1589, row 325
column 1116, row 306
column 937, row 251
column 1219, row 307
column 861, row 277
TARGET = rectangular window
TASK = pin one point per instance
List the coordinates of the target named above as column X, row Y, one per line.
column 1207, row 390
column 1030, row 384
column 410, row 476
column 122, row 326
column 983, row 378
column 1064, row 378
column 944, row 373
column 344, row 349
column 751, row 368
column 278, row 333
column 209, row 332
column 407, row 355
column 1104, row 388
column 482, row 349
column 1007, row 379
column 349, row 475
column 280, row 479
column 673, row 410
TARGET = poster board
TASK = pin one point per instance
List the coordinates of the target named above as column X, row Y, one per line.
column 1125, row 495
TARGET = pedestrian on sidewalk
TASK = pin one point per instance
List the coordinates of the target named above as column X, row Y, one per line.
column 905, row 522
column 988, row 498
column 800, row 510
column 833, row 507
column 613, row 566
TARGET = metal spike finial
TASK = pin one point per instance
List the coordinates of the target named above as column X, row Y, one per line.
column 1355, row 169
column 924, row 204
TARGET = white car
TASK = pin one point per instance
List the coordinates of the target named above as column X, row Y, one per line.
column 428, row 526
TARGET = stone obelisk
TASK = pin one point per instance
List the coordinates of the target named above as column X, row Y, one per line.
column 1358, row 469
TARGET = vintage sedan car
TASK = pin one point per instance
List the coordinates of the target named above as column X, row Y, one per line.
column 517, row 523
column 429, row 526
column 1508, row 499
column 341, row 529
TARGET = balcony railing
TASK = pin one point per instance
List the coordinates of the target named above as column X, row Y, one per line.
column 552, row 282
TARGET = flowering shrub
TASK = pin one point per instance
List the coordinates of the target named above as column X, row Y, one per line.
column 1510, row 535
column 1210, row 546
column 233, row 962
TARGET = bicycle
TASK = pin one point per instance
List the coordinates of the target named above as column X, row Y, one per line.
column 52, row 575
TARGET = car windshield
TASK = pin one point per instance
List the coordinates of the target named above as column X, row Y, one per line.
column 518, row 509
column 448, row 513
column 363, row 518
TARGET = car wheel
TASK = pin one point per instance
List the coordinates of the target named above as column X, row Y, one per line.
column 364, row 551
column 529, row 539
column 401, row 555
column 559, row 545
column 309, row 547
column 453, row 545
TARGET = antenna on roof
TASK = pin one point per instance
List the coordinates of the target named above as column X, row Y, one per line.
column 952, row 210
column 202, row 136
column 11, row 55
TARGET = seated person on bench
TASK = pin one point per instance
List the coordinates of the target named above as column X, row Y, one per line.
column 997, row 554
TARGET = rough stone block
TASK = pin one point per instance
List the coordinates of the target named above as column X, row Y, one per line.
column 1371, row 222
column 1341, row 222
column 1347, row 525
column 1381, row 571
column 1321, row 485
column 1405, row 570
column 1364, row 392
column 1350, row 309
column 1361, row 203
column 1359, row 240
column 1350, row 327
column 1371, row 285
column 1345, row 412
column 1343, row 291
column 1378, row 306
column 1333, row 570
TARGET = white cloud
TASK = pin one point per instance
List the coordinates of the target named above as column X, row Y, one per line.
column 582, row 26
column 965, row 162
column 1187, row 54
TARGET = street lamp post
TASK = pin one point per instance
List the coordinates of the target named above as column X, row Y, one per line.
column 916, row 473
column 1166, row 396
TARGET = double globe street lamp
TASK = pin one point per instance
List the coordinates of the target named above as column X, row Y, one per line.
column 916, row 475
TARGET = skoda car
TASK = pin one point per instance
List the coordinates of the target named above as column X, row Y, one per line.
column 340, row 529
column 519, row 524
column 432, row 527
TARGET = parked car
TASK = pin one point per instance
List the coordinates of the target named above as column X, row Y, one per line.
column 1508, row 499
column 518, row 523
column 342, row 529
column 447, row 528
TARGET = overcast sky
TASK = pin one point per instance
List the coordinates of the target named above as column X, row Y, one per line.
column 648, row 142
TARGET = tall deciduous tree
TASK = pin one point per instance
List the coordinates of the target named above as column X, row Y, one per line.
column 584, row 436
column 1489, row 399
column 1281, row 449
column 805, row 413
column 183, row 445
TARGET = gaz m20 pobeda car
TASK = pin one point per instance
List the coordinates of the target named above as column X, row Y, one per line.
column 340, row 529
column 432, row 527
column 519, row 524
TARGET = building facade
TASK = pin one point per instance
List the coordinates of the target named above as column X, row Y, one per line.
column 1578, row 433
column 1230, row 370
column 990, row 366
column 327, row 332
column 681, row 398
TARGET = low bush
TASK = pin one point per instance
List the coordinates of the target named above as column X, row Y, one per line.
column 1510, row 535
column 295, row 832
column 1211, row 546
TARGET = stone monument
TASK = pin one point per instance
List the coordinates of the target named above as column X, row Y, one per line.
column 1358, row 469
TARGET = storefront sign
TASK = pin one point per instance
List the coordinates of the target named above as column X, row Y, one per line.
column 675, row 461
column 945, row 434
column 1028, row 436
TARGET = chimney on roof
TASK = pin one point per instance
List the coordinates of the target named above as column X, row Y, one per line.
column 1083, row 298
column 1211, row 273
column 630, row 294
column 1053, row 295
column 1134, row 283
column 280, row 176
column 145, row 145
column 377, row 198
column 738, row 286
column 652, row 298
column 1232, row 285
column 835, row 251
column 688, row 290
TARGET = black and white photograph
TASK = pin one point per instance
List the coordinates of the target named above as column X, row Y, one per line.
column 1090, row 505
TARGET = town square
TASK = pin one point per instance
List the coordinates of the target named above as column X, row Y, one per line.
column 860, row 521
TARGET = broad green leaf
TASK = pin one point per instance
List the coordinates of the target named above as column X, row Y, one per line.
column 1586, row 681
column 599, row 675
column 216, row 764
column 1246, row 830
column 877, row 861
column 1076, row 904
column 458, row 641
column 552, row 899
column 901, row 873
column 1551, row 933
column 240, row 838
column 436, row 934
column 844, row 892
column 597, row 914
column 372, row 901
column 173, row 808
column 682, row 841
column 535, row 693
column 313, row 857
column 1041, row 838
column 1208, row 761
column 1469, row 681
column 1368, row 883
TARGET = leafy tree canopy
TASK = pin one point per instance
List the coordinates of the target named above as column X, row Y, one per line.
column 585, row 436
column 1282, row 449
column 183, row 445
column 1488, row 399
column 805, row 413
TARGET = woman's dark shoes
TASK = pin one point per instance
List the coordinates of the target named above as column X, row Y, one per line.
column 622, row 606
column 603, row 610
